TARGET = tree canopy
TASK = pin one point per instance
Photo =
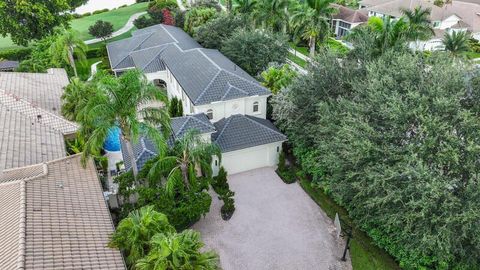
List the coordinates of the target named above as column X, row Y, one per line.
column 29, row 20
column 101, row 29
column 396, row 141
column 255, row 50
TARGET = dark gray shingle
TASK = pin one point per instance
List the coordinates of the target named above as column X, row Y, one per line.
column 243, row 131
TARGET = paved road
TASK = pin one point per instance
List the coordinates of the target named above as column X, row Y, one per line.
column 275, row 226
column 129, row 25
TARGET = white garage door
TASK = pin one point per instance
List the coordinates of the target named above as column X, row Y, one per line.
column 246, row 159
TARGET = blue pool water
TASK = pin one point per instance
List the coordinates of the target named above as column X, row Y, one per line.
column 112, row 142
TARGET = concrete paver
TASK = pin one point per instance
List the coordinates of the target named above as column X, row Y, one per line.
column 275, row 226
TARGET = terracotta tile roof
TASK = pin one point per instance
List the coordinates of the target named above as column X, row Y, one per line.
column 55, row 218
column 350, row 15
column 40, row 89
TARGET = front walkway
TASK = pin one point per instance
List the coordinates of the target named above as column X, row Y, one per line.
column 275, row 226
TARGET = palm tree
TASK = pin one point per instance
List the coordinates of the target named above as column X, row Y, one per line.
column 244, row 6
column 189, row 155
column 388, row 33
column 134, row 233
column 66, row 47
column 75, row 97
column 419, row 26
column 456, row 42
column 272, row 14
column 311, row 20
column 117, row 103
column 178, row 251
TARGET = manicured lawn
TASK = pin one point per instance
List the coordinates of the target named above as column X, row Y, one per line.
column 117, row 17
column 364, row 253
column 6, row 43
column 122, row 36
column 301, row 49
column 297, row 60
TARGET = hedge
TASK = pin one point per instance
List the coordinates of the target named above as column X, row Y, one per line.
column 15, row 54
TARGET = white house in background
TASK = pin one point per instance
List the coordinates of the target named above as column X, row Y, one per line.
column 346, row 19
column 219, row 99
column 459, row 15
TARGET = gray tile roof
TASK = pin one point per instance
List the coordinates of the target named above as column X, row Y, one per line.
column 8, row 65
column 56, row 219
column 243, row 131
column 206, row 75
column 40, row 89
column 146, row 149
column 204, row 80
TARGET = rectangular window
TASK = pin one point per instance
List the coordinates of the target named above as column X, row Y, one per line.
column 278, row 149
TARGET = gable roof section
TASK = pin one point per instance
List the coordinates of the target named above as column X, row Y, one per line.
column 350, row 15
column 8, row 65
column 56, row 218
column 204, row 74
column 40, row 89
column 30, row 134
column 145, row 149
column 203, row 80
column 243, row 131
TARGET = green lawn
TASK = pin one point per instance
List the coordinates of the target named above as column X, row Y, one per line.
column 297, row 60
column 300, row 49
column 118, row 17
column 122, row 36
column 364, row 253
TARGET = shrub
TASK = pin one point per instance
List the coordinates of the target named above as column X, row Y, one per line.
column 16, row 54
column 86, row 14
column 180, row 18
column 143, row 22
column 92, row 53
column 161, row 4
column 102, row 52
column 168, row 17
column 228, row 206
column 100, row 11
column 176, row 107
column 255, row 50
column 77, row 16
column 198, row 16
column 213, row 33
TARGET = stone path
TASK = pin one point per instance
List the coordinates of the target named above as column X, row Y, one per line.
column 129, row 25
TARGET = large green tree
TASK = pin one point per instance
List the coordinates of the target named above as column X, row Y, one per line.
column 213, row 33
column 272, row 14
column 255, row 50
column 30, row 20
column 68, row 46
column 311, row 21
column 121, row 102
column 396, row 141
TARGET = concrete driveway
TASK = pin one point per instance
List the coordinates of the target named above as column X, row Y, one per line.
column 275, row 226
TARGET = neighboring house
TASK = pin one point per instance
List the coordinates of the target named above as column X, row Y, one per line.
column 346, row 19
column 204, row 80
column 459, row 15
column 7, row 65
column 31, row 129
column 53, row 212
column 54, row 216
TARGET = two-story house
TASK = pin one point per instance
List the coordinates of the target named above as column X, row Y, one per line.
column 456, row 15
column 219, row 98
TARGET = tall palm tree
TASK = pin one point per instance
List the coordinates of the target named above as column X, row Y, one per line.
column 134, row 233
column 189, row 155
column 244, row 6
column 388, row 33
column 456, row 42
column 311, row 20
column 120, row 102
column 75, row 97
column 272, row 14
column 419, row 26
column 66, row 47
column 178, row 251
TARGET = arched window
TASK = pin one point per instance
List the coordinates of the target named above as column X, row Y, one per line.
column 210, row 114
column 255, row 106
